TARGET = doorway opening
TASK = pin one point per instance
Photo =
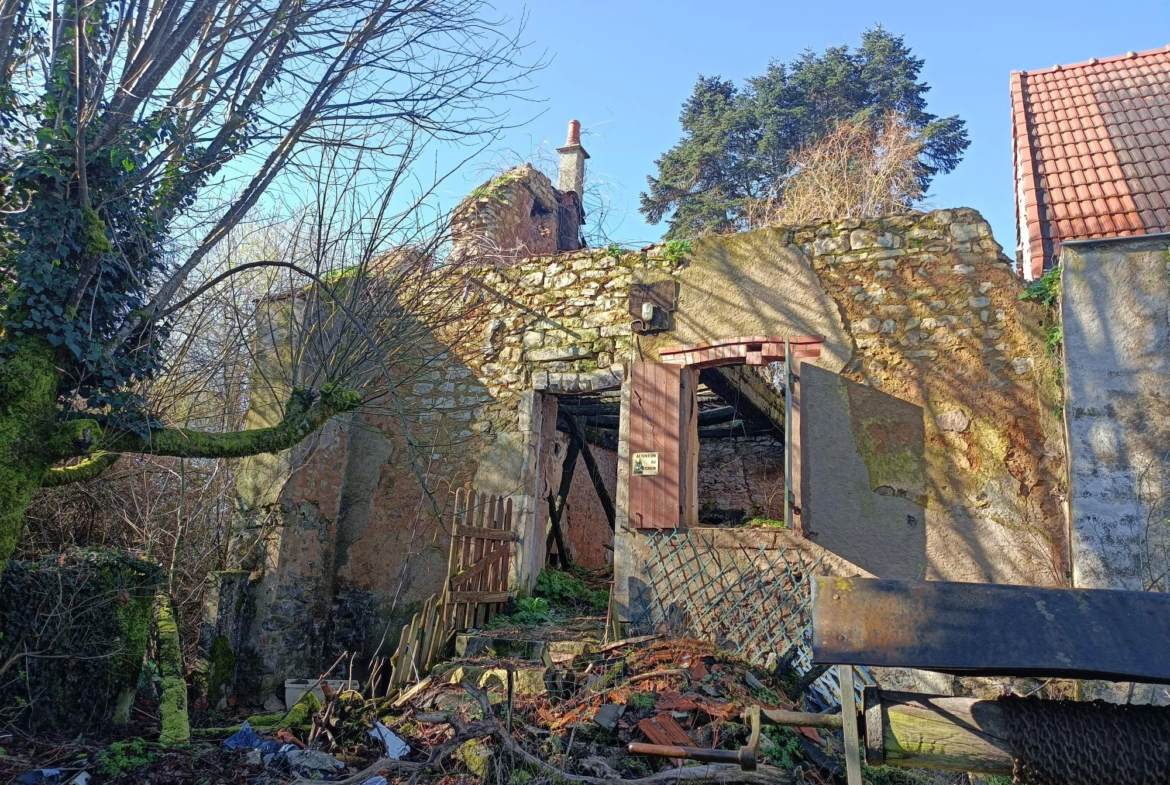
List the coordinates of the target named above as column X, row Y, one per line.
column 581, row 506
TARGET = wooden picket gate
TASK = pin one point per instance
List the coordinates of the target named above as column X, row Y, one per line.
column 475, row 590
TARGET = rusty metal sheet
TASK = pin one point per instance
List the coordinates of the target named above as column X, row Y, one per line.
column 987, row 629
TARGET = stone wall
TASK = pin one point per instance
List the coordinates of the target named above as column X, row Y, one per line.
column 345, row 535
column 741, row 478
column 933, row 307
column 515, row 215
column 1115, row 309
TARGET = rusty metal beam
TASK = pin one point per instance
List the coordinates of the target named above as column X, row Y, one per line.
column 975, row 628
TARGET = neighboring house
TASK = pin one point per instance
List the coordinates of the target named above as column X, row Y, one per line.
column 1092, row 168
column 1092, row 153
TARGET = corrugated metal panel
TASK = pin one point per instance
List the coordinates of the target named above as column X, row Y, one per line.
column 656, row 428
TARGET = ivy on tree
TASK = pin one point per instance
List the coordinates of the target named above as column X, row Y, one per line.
column 737, row 142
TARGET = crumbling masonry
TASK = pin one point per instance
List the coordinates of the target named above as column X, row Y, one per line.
column 926, row 441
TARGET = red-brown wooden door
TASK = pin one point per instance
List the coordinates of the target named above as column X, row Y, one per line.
column 663, row 436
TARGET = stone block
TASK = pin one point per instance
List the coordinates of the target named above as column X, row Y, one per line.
column 965, row 233
column 889, row 326
column 1022, row 365
column 478, row 645
column 557, row 353
column 831, row 245
column 863, row 326
column 979, row 302
column 567, row 652
column 963, row 269
column 955, row 421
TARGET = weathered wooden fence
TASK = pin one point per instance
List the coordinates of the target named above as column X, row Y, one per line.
column 475, row 590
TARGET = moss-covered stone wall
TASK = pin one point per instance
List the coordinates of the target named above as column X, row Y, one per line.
column 74, row 630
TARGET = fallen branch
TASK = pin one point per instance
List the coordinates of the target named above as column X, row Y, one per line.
column 657, row 674
column 374, row 769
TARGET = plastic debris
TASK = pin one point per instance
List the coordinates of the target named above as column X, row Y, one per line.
column 375, row 781
column 246, row 739
column 40, row 777
column 310, row 762
column 396, row 748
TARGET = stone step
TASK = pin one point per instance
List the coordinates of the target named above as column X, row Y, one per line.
column 469, row 644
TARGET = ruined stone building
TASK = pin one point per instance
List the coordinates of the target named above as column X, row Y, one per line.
column 860, row 398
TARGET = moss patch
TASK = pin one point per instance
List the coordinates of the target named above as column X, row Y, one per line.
column 221, row 672
column 176, row 727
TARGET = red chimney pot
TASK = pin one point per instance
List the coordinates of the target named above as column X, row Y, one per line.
column 574, row 133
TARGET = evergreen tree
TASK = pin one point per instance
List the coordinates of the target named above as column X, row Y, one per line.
column 737, row 142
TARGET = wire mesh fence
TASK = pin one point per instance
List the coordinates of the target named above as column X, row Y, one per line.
column 750, row 599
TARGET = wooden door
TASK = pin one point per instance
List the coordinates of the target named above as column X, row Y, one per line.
column 662, row 446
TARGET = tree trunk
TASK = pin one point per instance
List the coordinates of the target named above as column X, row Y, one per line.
column 28, row 430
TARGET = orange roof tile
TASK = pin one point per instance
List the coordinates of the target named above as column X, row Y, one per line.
column 1091, row 152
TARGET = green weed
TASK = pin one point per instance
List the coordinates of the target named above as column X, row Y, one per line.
column 1045, row 289
column 125, row 757
column 675, row 250
column 566, row 590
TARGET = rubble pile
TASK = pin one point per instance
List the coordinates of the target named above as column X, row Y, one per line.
column 538, row 696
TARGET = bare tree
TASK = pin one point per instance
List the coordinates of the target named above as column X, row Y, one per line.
column 141, row 136
column 856, row 170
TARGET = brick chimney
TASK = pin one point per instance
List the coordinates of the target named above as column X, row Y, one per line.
column 573, row 155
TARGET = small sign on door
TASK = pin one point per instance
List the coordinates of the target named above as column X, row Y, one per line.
column 645, row 464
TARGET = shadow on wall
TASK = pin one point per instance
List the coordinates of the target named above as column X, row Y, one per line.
column 865, row 475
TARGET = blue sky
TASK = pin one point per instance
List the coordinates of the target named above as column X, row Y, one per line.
column 624, row 67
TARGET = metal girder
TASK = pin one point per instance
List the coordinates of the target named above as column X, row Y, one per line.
column 988, row 629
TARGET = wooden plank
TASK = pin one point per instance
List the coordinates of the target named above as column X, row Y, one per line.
column 992, row 629
column 506, row 567
column 412, row 647
column 481, row 533
column 480, row 596
column 451, row 551
column 398, row 677
column 849, row 725
column 689, row 446
column 428, row 633
column 491, row 557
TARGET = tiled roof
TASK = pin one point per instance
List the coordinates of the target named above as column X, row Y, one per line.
column 1092, row 152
